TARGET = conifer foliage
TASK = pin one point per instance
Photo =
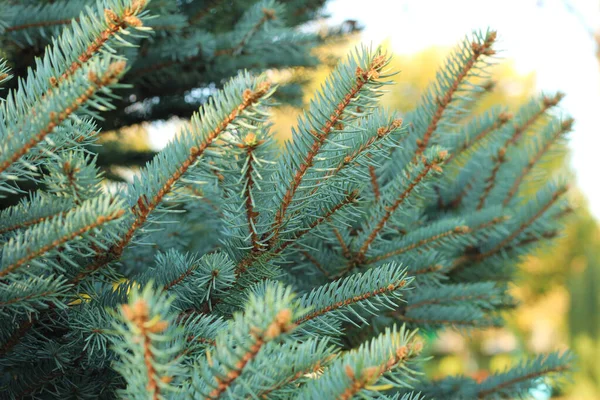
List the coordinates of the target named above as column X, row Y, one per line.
column 231, row 268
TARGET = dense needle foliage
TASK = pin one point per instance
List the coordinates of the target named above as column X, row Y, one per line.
column 229, row 267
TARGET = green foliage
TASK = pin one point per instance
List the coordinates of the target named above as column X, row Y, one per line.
column 225, row 269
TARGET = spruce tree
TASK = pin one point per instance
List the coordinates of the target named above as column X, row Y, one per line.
column 231, row 268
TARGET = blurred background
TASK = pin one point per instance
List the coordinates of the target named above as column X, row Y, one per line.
column 546, row 46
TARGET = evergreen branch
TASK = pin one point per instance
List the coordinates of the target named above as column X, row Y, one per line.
column 563, row 128
column 320, row 135
column 499, row 159
column 145, row 206
column 427, row 270
column 376, row 288
column 428, row 166
column 264, row 393
column 138, row 315
column 266, row 317
column 268, row 15
column 478, row 50
column 280, row 324
column 524, row 225
column 73, row 175
column 466, row 105
column 386, row 357
column 457, row 231
column 116, row 22
column 517, row 131
column 436, row 316
column 37, row 209
column 479, row 257
column 31, row 293
column 547, row 103
column 517, row 381
column 148, row 342
column 500, row 121
column 382, row 132
column 50, row 235
column 109, row 77
column 483, row 294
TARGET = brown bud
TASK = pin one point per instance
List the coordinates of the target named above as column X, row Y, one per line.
column 504, row 117
column 269, row 13
column 349, row 372
column 567, row 124
column 117, row 67
column 158, row 326
column 417, row 346
column 401, row 352
column 462, row 229
column 110, row 16
column 133, row 21
column 397, row 123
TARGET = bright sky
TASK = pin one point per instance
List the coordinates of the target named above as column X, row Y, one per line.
column 540, row 35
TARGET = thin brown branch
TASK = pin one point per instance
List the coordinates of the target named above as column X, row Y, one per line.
column 478, row 257
column 381, row 133
column 180, row 278
column 547, row 103
column 14, row 339
column 264, row 394
column 41, row 24
column 115, row 24
column 421, row 321
column 315, row 262
column 427, row 270
column 345, row 250
column 25, row 298
column 446, row 300
column 374, row 183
